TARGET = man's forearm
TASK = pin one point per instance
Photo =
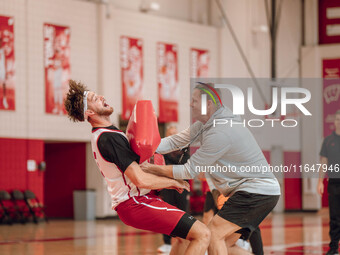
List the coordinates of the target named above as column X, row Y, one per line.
column 146, row 180
column 157, row 182
column 161, row 170
column 174, row 142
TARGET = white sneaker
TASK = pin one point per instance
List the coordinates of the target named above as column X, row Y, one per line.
column 243, row 244
column 165, row 249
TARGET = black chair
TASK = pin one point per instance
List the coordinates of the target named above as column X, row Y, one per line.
column 21, row 206
column 37, row 209
column 7, row 209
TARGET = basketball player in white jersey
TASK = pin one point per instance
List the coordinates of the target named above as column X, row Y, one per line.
column 127, row 184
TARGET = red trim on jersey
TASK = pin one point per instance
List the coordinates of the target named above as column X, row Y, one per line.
column 123, row 175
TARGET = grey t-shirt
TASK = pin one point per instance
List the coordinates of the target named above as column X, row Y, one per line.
column 229, row 155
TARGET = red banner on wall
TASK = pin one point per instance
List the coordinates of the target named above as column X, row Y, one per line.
column 7, row 64
column 131, row 62
column 329, row 21
column 199, row 63
column 167, row 74
column 57, row 66
column 331, row 93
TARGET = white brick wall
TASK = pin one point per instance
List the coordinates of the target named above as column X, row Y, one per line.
column 94, row 60
column 82, row 19
column 95, row 57
column 29, row 119
column 246, row 16
column 154, row 29
column 13, row 124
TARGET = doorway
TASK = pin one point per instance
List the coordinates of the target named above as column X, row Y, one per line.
column 65, row 172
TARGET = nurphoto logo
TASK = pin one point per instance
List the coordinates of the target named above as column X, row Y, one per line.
column 302, row 96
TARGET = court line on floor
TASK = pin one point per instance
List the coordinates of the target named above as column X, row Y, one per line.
column 141, row 233
column 294, row 225
column 297, row 251
column 284, row 247
column 138, row 233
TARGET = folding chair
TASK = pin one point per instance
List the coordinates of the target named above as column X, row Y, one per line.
column 21, row 206
column 7, row 210
column 36, row 208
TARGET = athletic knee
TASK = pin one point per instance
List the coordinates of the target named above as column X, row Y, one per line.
column 201, row 232
column 212, row 226
column 215, row 235
column 204, row 234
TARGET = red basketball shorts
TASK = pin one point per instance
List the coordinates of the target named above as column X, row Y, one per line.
column 149, row 212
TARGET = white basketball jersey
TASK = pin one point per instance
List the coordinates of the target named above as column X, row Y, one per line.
column 119, row 185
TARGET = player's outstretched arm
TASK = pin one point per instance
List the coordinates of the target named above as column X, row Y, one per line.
column 160, row 170
column 146, row 180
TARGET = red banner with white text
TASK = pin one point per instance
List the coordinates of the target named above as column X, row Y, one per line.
column 199, row 63
column 131, row 63
column 7, row 64
column 167, row 74
column 331, row 93
column 57, row 67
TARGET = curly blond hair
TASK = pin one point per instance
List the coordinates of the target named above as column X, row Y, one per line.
column 74, row 101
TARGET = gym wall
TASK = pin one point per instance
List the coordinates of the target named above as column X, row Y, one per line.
column 95, row 61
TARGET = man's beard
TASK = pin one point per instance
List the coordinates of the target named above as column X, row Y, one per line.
column 107, row 111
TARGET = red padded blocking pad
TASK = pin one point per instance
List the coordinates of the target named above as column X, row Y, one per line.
column 142, row 130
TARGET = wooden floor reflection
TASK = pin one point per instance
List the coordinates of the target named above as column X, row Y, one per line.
column 289, row 233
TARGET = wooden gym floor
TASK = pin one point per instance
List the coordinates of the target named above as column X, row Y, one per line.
column 288, row 233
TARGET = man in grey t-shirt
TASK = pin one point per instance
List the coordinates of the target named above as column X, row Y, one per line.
column 229, row 151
